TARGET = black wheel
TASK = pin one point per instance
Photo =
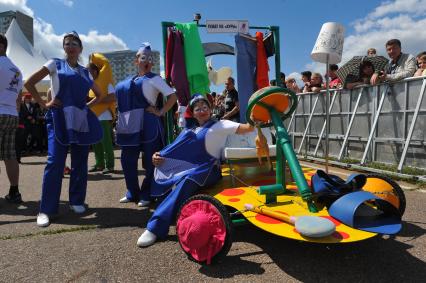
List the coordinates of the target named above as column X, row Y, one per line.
column 204, row 229
column 387, row 189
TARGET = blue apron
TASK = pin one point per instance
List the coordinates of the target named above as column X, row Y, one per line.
column 188, row 158
column 135, row 126
column 74, row 122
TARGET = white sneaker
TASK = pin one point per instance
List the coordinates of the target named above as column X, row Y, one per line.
column 43, row 220
column 143, row 203
column 146, row 239
column 124, row 200
column 78, row 208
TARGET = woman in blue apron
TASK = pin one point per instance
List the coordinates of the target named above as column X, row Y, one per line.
column 139, row 127
column 70, row 124
column 188, row 164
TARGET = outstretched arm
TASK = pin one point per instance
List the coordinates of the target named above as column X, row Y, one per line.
column 244, row 128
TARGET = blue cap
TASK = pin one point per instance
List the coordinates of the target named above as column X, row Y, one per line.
column 144, row 52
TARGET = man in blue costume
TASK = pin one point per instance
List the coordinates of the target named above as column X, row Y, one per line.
column 139, row 127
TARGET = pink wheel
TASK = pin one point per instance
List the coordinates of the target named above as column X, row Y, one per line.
column 204, row 229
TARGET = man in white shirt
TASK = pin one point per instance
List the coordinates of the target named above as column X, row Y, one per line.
column 10, row 89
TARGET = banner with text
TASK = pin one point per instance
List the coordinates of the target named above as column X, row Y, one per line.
column 224, row 26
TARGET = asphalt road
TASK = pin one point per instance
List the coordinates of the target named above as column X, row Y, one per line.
column 100, row 246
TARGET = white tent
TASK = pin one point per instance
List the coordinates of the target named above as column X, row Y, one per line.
column 24, row 55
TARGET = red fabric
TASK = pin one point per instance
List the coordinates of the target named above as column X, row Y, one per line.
column 201, row 230
column 188, row 113
column 177, row 68
column 169, row 55
column 335, row 83
column 27, row 95
column 262, row 67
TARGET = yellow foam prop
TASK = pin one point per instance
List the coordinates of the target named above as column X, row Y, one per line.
column 102, row 81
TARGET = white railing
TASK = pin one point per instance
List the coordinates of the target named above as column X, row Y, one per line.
column 384, row 123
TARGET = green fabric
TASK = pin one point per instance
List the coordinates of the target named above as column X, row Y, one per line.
column 104, row 153
column 195, row 61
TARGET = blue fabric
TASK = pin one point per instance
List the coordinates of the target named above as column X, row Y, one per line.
column 165, row 213
column 245, row 50
column 325, row 183
column 186, row 157
column 79, row 125
column 130, row 97
column 148, row 139
column 129, row 162
column 351, row 210
column 188, row 148
column 52, row 179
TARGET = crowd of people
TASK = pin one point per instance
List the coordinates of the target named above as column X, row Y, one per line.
column 400, row 66
column 78, row 113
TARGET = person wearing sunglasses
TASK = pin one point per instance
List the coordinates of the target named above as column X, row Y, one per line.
column 188, row 164
column 70, row 124
column 139, row 126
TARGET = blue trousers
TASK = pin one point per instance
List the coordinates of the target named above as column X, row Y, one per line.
column 52, row 178
column 129, row 163
column 165, row 214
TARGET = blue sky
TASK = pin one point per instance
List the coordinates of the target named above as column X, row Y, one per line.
column 111, row 25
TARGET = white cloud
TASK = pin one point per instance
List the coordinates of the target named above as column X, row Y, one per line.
column 68, row 3
column 19, row 5
column 416, row 7
column 402, row 19
column 50, row 43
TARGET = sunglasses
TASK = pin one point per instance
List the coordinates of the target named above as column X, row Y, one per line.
column 204, row 108
column 72, row 44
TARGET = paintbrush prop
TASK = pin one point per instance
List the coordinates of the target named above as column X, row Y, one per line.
column 308, row 226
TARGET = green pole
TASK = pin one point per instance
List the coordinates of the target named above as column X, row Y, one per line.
column 283, row 142
column 276, row 32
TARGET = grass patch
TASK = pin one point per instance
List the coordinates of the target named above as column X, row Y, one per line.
column 50, row 232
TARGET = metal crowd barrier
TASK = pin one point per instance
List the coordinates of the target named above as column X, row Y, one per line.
column 384, row 124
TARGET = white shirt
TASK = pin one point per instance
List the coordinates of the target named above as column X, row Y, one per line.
column 10, row 86
column 106, row 115
column 54, row 79
column 216, row 136
column 152, row 87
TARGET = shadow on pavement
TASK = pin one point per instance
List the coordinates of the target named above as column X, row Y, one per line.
column 378, row 259
column 104, row 217
column 24, row 163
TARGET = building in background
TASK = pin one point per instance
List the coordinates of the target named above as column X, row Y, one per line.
column 123, row 63
column 25, row 23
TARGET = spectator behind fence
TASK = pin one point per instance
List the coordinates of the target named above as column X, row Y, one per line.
column 335, row 81
column 232, row 105
column 371, row 52
column 306, row 79
column 219, row 107
column 418, row 57
column 315, row 84
column 400, row 66
column 366, row 70
column 421, row 62
column 282, row 78
column 292, row 85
